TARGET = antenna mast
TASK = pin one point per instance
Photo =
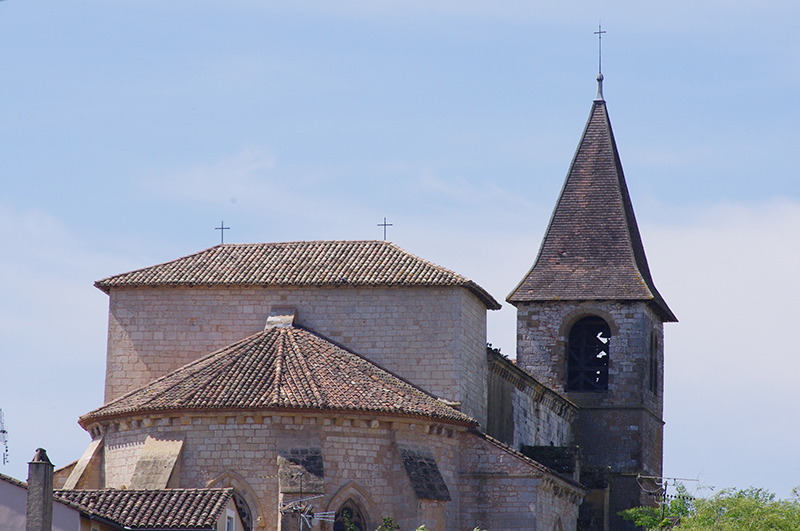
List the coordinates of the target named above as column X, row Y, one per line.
column 4, row 438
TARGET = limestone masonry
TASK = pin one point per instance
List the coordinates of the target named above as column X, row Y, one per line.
column 326, row 383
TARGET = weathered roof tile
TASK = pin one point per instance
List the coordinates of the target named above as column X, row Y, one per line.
column 592, row 249
column 152, row 509
column 316, row 263
column 279, row 369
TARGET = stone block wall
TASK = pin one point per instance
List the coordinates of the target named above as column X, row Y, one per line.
column 472, row 356
column 542, row 330
column 502, row 490
column 432, row 336
column 613, row 438
column 361, row 461
column 524, row 412
column 489, row 485
column 619, row 429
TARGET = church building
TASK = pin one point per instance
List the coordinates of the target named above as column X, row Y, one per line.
column 331, row 384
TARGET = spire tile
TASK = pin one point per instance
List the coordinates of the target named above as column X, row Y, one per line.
column 592, row 249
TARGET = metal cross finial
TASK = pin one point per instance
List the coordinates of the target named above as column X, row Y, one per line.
column 384, row 225
column 222, row 228
column 599, row 34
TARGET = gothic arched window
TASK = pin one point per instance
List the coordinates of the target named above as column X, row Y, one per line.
column 244, row 511
column 349, row 518
column 587, row 355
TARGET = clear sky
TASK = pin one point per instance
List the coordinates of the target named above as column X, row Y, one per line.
column 129, row 130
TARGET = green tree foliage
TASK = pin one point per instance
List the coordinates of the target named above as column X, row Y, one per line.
column 666, row 516
column 387, row 524
column 730, row 510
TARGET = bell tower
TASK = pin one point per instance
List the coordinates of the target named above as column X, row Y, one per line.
column 590, row 325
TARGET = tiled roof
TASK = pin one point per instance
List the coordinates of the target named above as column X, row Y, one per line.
column 592, row 249
column 14, row 481
column 319, row 263
column 285, row 368
column 152, row 509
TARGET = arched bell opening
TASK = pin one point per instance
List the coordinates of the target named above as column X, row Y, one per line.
column 588, row 354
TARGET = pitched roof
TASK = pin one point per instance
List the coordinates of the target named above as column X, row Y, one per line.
column 152, row 509
column 592, row 249
column 279, row 369
column 14, row 481
column 317, row 263
column 522, row 457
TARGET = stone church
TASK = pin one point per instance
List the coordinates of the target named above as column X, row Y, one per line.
column 329, row 381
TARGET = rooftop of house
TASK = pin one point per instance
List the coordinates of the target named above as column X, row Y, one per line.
column 190, row 509
column 592, row 249
column 315, row 263
column 282, row 368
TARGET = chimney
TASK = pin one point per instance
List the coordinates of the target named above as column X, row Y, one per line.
column 40, row 493
column 281, row 317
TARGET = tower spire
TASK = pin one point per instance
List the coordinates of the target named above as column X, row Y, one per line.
column 592, row 249
column 599, row 33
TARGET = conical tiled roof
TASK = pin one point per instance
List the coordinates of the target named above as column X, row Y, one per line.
column 279, row 369
column 317, row 263
column 592, row 249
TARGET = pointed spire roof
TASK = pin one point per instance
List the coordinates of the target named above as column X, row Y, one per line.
column 281, row 369
column 592, row 249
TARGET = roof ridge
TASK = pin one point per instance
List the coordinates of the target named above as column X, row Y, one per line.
column 301, row 358
column 280, row 360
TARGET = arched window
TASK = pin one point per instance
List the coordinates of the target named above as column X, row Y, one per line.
column 244, row 511
column 349, row 518
column 587, row 355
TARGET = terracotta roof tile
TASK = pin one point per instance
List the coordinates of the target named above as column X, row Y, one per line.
column 152, row 509
column 279, row 369
column 592, row 249
column 316, row 263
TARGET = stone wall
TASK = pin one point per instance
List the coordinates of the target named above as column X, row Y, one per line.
column 360, row 456
column 619, row 429
column 432, row 336
column 503, row 490
column 487, row 484
column 542, row 330
column 524, row 412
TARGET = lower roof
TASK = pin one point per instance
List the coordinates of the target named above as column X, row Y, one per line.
column 280, row 369
column 190, row 509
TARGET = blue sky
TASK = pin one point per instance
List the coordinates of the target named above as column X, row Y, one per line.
column 129, row 130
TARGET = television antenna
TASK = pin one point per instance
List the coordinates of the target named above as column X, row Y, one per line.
column 305, row 511
column 4, row 438
column 657, row 486
column 301, row 508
